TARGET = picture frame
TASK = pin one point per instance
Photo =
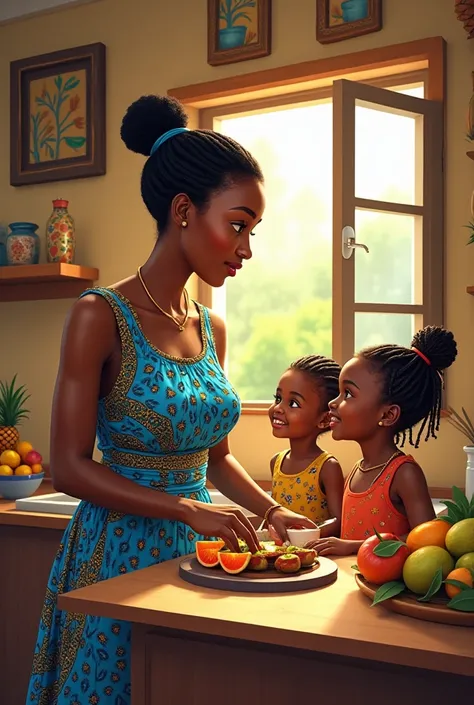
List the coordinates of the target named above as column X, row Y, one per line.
column 238, row 30
column 337, row 20
column 57, row 116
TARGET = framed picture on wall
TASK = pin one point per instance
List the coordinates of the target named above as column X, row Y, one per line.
column 57, row 116
column 344, row 19
column 238, row 30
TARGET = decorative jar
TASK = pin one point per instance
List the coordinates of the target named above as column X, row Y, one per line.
column 23, row 244
column 60, row 234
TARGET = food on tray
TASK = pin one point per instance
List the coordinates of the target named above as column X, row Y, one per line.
column 258, row 562
column 288, row 563
column 307, row 556
column 206, row 552
column 283, row 559
column 436, row 560
column 234, row 563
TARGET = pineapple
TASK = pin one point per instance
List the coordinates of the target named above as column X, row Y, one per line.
column 465, row 11
column 12, row 413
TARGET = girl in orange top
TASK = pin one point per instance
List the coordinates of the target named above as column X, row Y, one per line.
column 383, row 392
column 306, row 479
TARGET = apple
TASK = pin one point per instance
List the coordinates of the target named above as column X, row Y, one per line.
column 307, row 556
column 288, row 563
column 33, row 458
column 258, row 562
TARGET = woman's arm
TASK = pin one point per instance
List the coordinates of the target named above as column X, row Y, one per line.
column 89, row 339
column 332, row 483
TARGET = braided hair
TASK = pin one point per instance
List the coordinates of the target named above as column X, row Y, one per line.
column 324, row 372
column 199, row 163
column 413, row 379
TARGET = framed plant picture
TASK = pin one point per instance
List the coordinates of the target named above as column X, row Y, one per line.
column 343, row 19
column 238, row 30
column 57, row 116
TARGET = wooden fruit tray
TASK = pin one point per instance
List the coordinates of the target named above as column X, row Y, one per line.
column 408, row 605
column 323, row 572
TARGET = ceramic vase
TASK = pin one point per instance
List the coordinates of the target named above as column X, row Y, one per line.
column 23, row 244
column 469, row 491
column 60, row 234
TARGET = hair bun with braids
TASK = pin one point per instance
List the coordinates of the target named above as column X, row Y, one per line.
column 438, row 345
column 148, row 118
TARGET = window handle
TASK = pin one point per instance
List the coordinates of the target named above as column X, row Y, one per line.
column 349, row 243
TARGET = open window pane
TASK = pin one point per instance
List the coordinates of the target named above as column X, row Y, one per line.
column 379, row 328
column 385, row 156
column 386, row 275
column 279, row 306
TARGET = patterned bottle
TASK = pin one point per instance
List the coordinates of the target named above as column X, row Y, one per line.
column 23, row 244
column 60, row 234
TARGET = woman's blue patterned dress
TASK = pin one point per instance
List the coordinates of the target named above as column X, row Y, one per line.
column 155, row 428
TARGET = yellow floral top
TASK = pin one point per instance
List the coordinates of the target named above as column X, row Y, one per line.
column 302, row 492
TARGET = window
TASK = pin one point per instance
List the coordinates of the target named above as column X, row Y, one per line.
column 351, row 155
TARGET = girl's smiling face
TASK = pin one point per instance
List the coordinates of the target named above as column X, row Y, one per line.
column 298, row 410
column 359, row 408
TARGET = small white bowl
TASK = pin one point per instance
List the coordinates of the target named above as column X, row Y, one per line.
column 300, row 537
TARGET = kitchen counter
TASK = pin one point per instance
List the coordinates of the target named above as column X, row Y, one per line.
column 9, row 516
column 214, row 637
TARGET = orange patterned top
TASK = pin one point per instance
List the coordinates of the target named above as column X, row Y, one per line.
column 364, row 511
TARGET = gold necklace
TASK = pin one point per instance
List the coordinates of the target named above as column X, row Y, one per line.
column 176, row 321
column 358, row 465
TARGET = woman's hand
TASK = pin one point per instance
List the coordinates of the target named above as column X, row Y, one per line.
column 331, row 546
column 224, row 522
column 282, row 519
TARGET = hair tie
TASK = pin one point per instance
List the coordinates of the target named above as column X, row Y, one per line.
column 423, row 357
column 165, row 136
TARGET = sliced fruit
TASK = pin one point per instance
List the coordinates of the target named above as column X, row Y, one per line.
column 462, row 575
column 234, row 563
column 288, row 563
column 11, row 458
column 430, row 533
column 206, row 552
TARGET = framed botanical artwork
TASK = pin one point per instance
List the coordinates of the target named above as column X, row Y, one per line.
column 343, row 19
column 238, row 30
column 57, row 116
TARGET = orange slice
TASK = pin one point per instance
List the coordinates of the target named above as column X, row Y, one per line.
column 206, row 552
column 234, row 562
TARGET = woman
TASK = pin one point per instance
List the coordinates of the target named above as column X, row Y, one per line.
column 141, row 366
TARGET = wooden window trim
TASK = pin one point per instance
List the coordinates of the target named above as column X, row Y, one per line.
column 298, row 80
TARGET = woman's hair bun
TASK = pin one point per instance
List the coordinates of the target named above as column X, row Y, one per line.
column 148, row 118
column 438, row 345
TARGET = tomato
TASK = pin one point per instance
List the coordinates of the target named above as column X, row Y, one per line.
column 377, row 569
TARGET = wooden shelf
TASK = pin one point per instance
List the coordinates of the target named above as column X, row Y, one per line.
column 470, row 290
column 37, row 282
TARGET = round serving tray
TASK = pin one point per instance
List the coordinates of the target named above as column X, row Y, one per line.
column 323, row 572
column 408, row 605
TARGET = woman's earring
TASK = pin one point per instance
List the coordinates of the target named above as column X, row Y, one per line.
column 184, row 224
column 380, row 423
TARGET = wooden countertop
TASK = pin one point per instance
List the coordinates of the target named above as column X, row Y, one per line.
column 12, row 517
column 337, row 619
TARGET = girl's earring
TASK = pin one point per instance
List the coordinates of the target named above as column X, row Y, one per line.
column 380, row 423
column 184, row 224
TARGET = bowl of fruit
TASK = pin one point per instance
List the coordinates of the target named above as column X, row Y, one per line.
column 21, row 471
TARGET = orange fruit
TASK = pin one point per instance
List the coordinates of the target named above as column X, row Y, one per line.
column 234, row 562
column 23, row 470
column 430, row 533
column 206, row 552
column 23, row 448
column 35, row 469
column 463, row 575
column 10, row 458
column 5, row 470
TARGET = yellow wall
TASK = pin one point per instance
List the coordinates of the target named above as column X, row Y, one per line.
column 153, row 45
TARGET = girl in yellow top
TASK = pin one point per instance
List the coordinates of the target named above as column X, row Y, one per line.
column 306, row 479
